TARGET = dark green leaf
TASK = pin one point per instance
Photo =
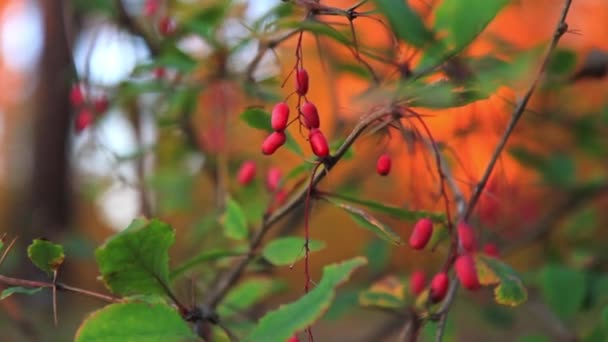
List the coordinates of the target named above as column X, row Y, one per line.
column 234, row 221
column 18, row 289
column 136, row 260
column 346, row 302
column 510, row 289
column 605, row 319
column 176, row 59
column 527, row 157
column 203, row 257
column 405, row 22
column 563, row 289
column 559, row 169
column 280, row 324
column 365, row 220
column 562, row 62
column 378, row 253
column 288, row 250
column 135, row 322
column 46, row 255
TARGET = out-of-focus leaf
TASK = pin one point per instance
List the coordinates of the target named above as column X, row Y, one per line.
column 367, row 221
column 21, row 290
column 320, row 29
column 559, row 169
column 177, row 60
column 533, row 338
column 346, row 301
column 135, row 322
column 388, row 293
column 562, row 62
column 207, row 20
column 510, row 289
column 247, row 294
column 46, row 255
column 378, row 253
column 202, row 258
column 563, row 289
column 288, row 250
column 136, row 260
column 405, row 22
column 234, row 221
column 280, row 324
column 173, row 188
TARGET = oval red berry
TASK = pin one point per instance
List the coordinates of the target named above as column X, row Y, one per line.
column 466, row 237
column 273, row 178
column 439, row 287
column 383, row 165
column 273, row 142
column 491, row 250
column 421, row 234
column 101, row 104
column 279, row 116
column 318, row 143
column 466, row 272
column 417, row 282
column 166, row 26
column 84, row 119
column 76, row 95
column 301, row 82
column 246, row 172
column 310, row 115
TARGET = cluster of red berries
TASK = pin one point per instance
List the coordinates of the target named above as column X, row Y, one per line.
column 308, row 116
column 464, row 265
column 166, row 25
column 88, row 108
column 274, row 176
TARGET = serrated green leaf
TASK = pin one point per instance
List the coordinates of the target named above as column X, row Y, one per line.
column 206, row 256
column 288, row 250
column 260, row 119
column 563, row 289
column 18, row 289
column 367, row 221
column 510, row 289
column 136, row 260
column 247, row 294
column 405, row 22
column 280, row 324
column 46, row 255
column 133, row 322
column 234, row 221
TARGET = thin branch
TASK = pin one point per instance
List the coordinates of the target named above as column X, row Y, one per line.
column 560, row 30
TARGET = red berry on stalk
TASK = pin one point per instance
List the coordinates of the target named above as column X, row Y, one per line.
column 310, row 115
column 491, row 250
column 466, row 237
column 466, row 272
column 318, row 143
column 84, row 119
column 151, row 7
column 76, row 95
column 279, row 116
column 101, row 104
column 166, row 26
column 273, row 142
column 273, row 178
column 421, row 234
column 246, row 172
column 439, row 287
column 383, row 165
column 417, row 282
column 280, row 197
column 301, row 81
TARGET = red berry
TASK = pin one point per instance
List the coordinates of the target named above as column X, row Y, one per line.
column 166, row 26
column 383, row 165
column 76, row 95
column 280, row 116
column 273, row 142
column 246, row 173
column 439, row 287
column 318, row 143
column 151, row 7
column 301, row 82
column 310, row 115
column 293, row 338
column 160, row 72
column 466, row 272
column 273, row 178
column 466, row 237
column 101, row 104
column 491, row 250
column 84, row 119
column 421, row 234
column 280, row 197
column 417, row 282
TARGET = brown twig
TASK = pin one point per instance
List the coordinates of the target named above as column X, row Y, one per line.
column 560, row 30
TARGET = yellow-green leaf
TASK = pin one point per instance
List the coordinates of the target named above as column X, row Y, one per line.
column 46, row 255
column 510, row 289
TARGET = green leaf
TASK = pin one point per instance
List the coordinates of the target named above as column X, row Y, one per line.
column 260, row 119
column 400, row 213
column 562, row 62
column 405, row 22
column 368, row 222
column 18, row 289
column 135, row 322
column 176, row 59
column 46, row 255
column 136, row 260
column 288, row 250
column 559, row 169
column 461, row 21
column 510, row 289
column 563, row 289
column 247, row 294
column 234, row 221
column 280, row 324
column 387, row 293
column 605, row 319
column 319, row 28
column 208, row 20
column 378, row 253
column 533, row 338
column 203, row 257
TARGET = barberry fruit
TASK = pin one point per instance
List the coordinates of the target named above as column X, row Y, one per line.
column 417, row 282
column 491, row 250
column 466, row 237
column 279, row 116
column 166, row 26
column 439, row 287
column 84, row 119
column 301, row 81
column 310, row 115
column 383, row 165
column 421, row 234
column 76, row 95
column 246, row 172
column 466, row 272
column 273, row 178
column 273, row 142
column 318, row 143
